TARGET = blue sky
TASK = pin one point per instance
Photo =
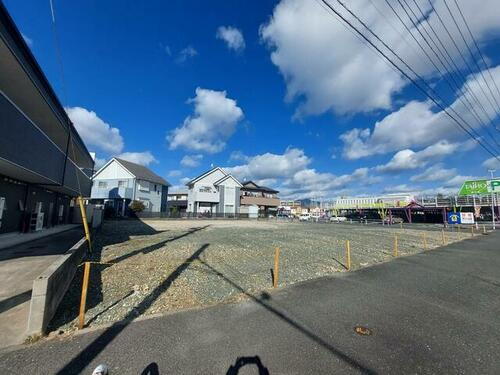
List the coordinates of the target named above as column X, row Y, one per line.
column 275, row 91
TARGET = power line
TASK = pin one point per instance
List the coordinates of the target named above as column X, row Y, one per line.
column 367, row 40
column 408, row 67
column 457, row 86
column 473, row 59
column 454, row 67
column 478, row 49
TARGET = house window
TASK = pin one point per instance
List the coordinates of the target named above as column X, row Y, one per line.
column 143, row 185
column 103, row 185
column 122, row 184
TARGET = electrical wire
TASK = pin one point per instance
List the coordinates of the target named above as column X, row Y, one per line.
column 470, row 107
column 454, row 67
column 416, row 84
column 478, row 50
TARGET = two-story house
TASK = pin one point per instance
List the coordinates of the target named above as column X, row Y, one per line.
column 266, row 199
column 177, row 202
column 214, row 193
column 120, row 182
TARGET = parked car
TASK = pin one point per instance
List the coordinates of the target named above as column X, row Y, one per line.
column 338, row 219
column 305, row 217
column 393, row 220
column 282, row 217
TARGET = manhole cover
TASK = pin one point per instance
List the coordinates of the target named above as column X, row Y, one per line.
column 363, row 331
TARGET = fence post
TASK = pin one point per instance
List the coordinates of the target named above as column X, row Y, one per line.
column 395, row 246
column 442, row 237
column 484, row 229
column 276, row 267
column 348, row 254
column 83, row 301
column 472, row 231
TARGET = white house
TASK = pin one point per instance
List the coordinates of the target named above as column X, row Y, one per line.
column 215, row 192
column 119, row 182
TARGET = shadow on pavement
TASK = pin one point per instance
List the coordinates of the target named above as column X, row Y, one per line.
column 151, row 369
column 14, row 301
column 245, row 361
column 262, row 302
column 77, row 364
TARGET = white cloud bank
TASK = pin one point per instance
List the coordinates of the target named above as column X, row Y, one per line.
column 191, row 161
column 290, row 173
column 213, row 122
column 232, row 36
column 143, row 158
column 417, row 124
column 328, row 69
column 95, row 132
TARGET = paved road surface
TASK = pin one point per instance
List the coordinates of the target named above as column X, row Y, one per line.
column 435, row 312
column 19, row 266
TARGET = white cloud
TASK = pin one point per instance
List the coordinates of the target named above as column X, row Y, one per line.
column 28, row 40
column 94, row 131
column 184, row 54
column 99, row 163
column 191, row 161
column 174, row 173
column 270, row 165
column 417, row 124
column 435, row 173
column 402, row 188
column 238, row 156
column 213, row 122
column 328, row 68
column 232, row 36
column 408, row 159
column 492, row 163
column 291, row 175
column 143, row 158
column 185, row 180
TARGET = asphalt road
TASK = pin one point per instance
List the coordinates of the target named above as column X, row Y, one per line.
column 434, row 312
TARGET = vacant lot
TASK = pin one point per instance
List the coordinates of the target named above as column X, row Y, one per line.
column 154, row 266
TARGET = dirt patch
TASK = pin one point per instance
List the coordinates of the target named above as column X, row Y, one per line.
column 155, row 266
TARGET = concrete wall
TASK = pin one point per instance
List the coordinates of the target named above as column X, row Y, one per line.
column 49, row 288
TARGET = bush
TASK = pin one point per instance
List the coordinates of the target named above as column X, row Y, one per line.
column 136, row 206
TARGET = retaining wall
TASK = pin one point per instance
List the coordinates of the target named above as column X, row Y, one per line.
column 49, row 288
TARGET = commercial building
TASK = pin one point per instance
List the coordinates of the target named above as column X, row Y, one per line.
column 44, row 163
column 393, row 200
column 266, row 199
column 120, row 182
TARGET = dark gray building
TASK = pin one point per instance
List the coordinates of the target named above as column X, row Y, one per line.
column 43, row 161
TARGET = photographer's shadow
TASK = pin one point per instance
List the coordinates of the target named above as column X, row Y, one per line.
column 245, row 361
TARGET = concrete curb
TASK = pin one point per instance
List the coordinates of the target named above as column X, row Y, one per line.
column 49, row 288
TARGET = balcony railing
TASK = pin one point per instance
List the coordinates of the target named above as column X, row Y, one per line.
column 112, row 192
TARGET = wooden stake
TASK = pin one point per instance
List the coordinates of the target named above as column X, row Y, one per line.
column 472, row 231
column 85, row 223
column 276, row 267
column 442, row 237
column 400, row 225
column 425, row 242
column 395, row 246
column 484, row 229
column 83, row 301
column 348, row 254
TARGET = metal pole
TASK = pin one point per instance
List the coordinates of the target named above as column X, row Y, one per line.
column 492, row 201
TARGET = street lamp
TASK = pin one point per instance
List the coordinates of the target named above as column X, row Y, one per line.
column 492, row 199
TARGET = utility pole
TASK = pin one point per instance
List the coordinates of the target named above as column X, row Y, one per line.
column 492, row 200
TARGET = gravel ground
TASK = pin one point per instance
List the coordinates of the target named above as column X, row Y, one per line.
column 159, row 266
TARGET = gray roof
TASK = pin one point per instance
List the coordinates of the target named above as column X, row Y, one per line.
column 142, row 173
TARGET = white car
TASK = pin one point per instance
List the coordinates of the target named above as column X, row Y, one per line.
column 305, row 217
column 338, row 219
